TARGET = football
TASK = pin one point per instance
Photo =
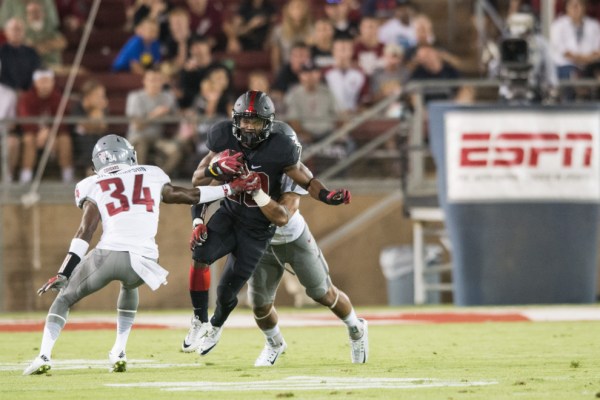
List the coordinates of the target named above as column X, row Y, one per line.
column 224, row 154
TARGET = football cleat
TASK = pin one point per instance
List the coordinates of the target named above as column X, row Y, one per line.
column 39, row 366
column 270, row 353
column 117, row 362
column 192, row 340
column 359, row 348
column 209, row 340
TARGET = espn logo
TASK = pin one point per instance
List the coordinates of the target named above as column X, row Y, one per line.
column 510, row 149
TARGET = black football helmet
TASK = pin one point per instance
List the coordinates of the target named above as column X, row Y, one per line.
column 253, row 104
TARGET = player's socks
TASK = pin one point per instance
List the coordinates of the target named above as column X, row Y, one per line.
column 274, row 336
column 54, row 324
column 199, row 280
column 125, row 320
column 353, row 324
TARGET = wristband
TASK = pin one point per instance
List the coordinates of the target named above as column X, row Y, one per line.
column 261, row 198
column 211, row 193
column 79, row 247
column 323, row 193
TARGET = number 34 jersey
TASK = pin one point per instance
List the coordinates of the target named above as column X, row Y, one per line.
column 128, row 202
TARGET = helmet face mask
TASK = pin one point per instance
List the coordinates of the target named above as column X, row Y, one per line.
column 253, row 115
column 113, row 153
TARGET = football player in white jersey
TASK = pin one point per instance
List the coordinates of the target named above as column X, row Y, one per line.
column 125, row 197
column 295, row 245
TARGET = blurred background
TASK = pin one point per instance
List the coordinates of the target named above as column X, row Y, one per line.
column 357, row 81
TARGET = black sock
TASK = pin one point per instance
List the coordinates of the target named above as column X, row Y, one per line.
column 200, row 304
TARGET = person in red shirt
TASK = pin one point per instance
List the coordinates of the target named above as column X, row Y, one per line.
column 42, row 100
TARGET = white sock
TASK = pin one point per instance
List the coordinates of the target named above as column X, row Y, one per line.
column 26, row 175
column 274, row 336
column 51, row 333
column 67, row 174
column 124, row 324
column 354, row 328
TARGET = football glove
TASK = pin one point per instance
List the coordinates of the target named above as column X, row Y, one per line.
column 227, row 166
column 55, row 283
column 199, row 236
column 246, row 183
column 335, row 197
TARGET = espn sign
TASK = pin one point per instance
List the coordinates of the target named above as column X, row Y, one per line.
column 509, row 149
column 522, row 155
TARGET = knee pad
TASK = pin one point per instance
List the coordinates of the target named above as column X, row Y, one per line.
column 316, row 293
column 199, row 278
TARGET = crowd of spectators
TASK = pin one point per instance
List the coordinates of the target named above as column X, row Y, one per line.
column 326, row 60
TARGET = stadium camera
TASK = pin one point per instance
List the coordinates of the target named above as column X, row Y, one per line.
column 515, row 70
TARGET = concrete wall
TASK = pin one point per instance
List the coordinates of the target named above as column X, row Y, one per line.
column 354, row 263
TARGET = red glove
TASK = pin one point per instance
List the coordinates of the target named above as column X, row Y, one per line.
column 55, row 283
column 226, row 166
column 246, row 183
column 199, row 236
column 335, row 197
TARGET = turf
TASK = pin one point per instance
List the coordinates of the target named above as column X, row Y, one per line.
column 524, row 360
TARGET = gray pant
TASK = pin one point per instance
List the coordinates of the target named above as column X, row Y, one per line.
column 305, row 259
column 96, row 270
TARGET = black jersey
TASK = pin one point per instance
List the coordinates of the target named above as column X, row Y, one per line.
column 269, row 159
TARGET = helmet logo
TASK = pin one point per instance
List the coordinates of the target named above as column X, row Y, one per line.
column 251, row 101
column 107, row 157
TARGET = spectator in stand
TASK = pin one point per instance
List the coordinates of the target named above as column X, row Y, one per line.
column 8, row 110
column 575, row 41
column 322, row 43
column 18, row 60
column 42, row 100
column 380, row 9
column 145, row 134
column 249, row 28
column 196, row 67
column 47, row 41
column 349, row 84
column 400, row 28
column 429, row 64
column 142, row 50
column 156, row 10
column 72, row 13
column 288, row 74
column 337, row 13
column 296, row 26
column 310, row 106
column 389, row 78
column 368, row 50
column 18, row 9
column 175, row 44
column 93, row 106
column 206, row 19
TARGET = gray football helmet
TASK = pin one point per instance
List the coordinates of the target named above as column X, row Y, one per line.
column 253, row 104
column 113, row 151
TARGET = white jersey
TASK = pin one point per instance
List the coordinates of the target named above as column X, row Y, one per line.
column 296, row 224
column 128, row 202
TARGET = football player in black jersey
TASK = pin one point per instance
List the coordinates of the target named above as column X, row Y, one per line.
column 266, row 149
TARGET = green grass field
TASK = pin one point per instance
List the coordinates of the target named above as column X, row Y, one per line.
column 524, row 360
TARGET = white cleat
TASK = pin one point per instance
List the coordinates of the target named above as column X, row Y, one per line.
column 360, row 347
column 209, row 340
column 270, row 354
column 117, row 362
column 192, row 340
column 39, row 366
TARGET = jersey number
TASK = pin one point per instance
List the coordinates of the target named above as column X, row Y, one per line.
column 141, row 195
column 245, row 198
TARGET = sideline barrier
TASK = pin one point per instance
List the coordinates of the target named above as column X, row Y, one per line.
column 520, row 188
